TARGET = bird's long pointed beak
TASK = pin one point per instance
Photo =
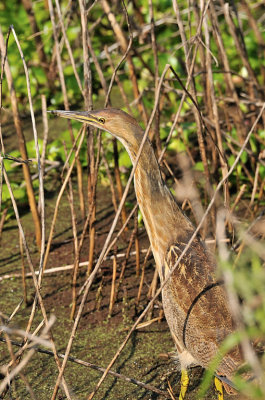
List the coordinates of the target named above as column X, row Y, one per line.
column 81, row 116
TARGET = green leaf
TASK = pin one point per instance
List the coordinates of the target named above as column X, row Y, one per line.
column 124, row 159
column 31, row 148
column 231, row 160
column 244, row 157
column 177, row 145
column 198, row 166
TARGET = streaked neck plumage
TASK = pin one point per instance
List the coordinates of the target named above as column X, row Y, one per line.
column 160, row 211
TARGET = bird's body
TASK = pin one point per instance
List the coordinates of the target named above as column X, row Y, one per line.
column 195, row 303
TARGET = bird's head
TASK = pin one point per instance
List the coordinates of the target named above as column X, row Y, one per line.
column 112, row 120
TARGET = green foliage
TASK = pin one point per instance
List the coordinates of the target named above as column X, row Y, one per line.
column 199, row 166
column 124, row 159
column 169, row 50
column 18, row 191
column 248, row 276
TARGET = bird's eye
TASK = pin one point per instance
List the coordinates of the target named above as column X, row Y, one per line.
column 101, row 120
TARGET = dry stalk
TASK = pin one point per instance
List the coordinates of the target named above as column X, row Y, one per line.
column 97, row 65
column 23, row 270
column 12, row 356
column 256, row 245
column 22, row 145
column 27, row 336
column 4, row 391
column 239, row 42
column 24, row 346
column 114, row 274
column 45, row 130
column 234, row 141
column 92, row 185
column 106, row 165
column 260, row 39
column 17, row 308
column 16, row 370
column 156, row 132
column 165, row 163
column 70, row 196
column 118, row 177
column 59, row 197
column 41, row 190
column 60, row 17
column 4, row 212
column 127, row 255
column 87, row 93
column 189, row 68
column 177, row 115
column 260, row 195
column 71, row 266
column 126, row 48
column 238, row 197
column 246, row 170
column 137, row 245
column 91, row 197
column 214, row 108
column 90, row 146
column 124, row 45
column 114, row 241
column 238, row 115
column 241, row 242
column 66, row 105
column 152, row 291
column 170, row 391
column 44, row 62
column 187, row 186
column 142, row 276
column 124, row 97
column 255, row 185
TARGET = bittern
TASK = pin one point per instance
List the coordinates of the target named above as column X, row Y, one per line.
column 195, row 303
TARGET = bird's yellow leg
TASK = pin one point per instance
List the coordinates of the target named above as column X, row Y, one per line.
column 219, row 388
column 184, row 383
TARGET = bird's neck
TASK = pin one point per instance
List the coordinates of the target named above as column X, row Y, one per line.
column 160, row 211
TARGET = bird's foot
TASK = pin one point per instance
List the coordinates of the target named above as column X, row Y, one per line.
column 184, row 383
column 219, row 388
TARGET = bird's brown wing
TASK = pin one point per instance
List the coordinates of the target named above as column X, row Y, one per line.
column 199, row 314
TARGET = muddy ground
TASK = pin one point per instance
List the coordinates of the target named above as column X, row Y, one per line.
column 146, row 356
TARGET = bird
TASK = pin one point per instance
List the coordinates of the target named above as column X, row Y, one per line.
column 195, row 302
